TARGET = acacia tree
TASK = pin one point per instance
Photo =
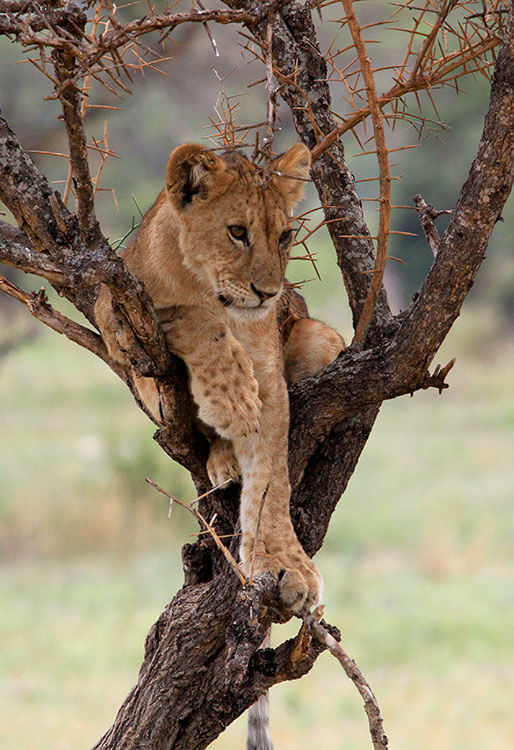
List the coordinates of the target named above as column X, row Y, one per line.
column 203, row 666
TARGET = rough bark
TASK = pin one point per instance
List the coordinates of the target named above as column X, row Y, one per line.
column 207, row 636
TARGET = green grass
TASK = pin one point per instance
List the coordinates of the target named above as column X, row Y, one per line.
column 72, row 641
column 417, row 564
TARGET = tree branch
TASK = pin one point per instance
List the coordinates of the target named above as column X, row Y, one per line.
column 351, row 384
column 189, row 647
column 38, row 306
column 427, row 215
column 15, row 251
column 463, row 244
column 371, row 707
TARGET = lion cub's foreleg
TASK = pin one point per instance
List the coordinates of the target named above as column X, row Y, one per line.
column 221, row 372
column 310, row 346
column 250, row 409
column 269, row 542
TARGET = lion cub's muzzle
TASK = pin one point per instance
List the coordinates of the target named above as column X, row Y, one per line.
column 262, row 294
column 255, row 299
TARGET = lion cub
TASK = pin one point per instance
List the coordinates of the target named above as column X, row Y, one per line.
column 212, row 253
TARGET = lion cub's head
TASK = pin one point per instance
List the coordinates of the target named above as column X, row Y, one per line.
column 235, row 226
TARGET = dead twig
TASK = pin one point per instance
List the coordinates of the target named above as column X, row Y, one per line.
column 371, row 706
column 206, row 524
column 438, row 377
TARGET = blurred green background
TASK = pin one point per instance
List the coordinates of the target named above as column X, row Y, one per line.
column 418, row 561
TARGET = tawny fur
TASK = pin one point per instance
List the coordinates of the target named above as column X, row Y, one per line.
column 212, row 253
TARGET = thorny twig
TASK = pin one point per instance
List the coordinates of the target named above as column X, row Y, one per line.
column 206, row 524
column 463, row 47
column 384, row 170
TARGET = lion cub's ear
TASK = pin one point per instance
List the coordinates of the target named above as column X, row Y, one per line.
column 293, row 167
column 190, row 172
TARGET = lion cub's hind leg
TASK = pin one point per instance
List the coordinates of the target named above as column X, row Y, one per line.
column 310, row 347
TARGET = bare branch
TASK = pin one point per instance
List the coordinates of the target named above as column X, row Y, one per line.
column 371, row 707
column 15, row 251
column 38, row 306
column 427, row 214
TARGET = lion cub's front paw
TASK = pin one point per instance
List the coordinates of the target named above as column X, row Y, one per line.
column 222, row 464
column 301, row 587
column 300, row 582
column 233, row 413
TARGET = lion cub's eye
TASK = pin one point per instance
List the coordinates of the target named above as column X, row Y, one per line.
column 286, row 237
column 239, row 232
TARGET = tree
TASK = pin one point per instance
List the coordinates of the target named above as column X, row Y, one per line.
column 202, row 657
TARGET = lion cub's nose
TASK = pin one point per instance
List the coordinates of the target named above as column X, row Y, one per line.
column 261, row 294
